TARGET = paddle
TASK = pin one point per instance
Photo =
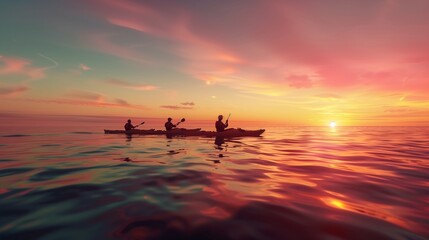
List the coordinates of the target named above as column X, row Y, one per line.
column 139, row 124
column 228, row 117
column 182, row 120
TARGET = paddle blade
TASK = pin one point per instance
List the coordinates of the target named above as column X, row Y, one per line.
column 228, row 117
column 182, row 120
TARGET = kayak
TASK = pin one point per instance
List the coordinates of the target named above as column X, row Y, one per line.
column 175, row 132
column 229, row 133
column 233, row 132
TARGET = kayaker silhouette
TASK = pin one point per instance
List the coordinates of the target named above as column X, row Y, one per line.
column 169, row 125
column 128, row 126
column 220, row 126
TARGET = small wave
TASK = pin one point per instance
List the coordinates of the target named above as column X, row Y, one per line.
column 50, row 145
column 12, row 171
column 6, row 160
column 16, row 135
column 54, row 173
column 334, row 185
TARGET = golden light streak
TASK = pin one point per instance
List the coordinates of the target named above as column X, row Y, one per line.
column 332, row 202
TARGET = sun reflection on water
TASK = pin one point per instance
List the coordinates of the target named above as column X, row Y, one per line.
column 356, row 173
column 332, row 202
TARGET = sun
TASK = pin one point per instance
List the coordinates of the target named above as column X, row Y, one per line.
column 332, row 124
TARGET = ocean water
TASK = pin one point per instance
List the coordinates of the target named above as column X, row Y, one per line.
column 70, row 181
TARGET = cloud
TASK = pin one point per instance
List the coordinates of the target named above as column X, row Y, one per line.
column 20, row 66
column 416, row 98
column 175, row 107
column 299, row 81
column 328, row 44
column 184, row 106
column 119, row 103
column 328, row 95
column 188, row 103
column 107, row 44
column 54, row 63
column 84, row 67
column 86, row 95
column 12, row 91
column 124, row 84
column 398, row 109
column 78, row 97
column 122, row 102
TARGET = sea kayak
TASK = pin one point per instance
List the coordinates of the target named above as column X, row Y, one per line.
column 233, row 132
column 173, row 132
column 192, row 132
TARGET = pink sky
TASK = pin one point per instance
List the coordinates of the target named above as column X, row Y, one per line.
column 300, row 62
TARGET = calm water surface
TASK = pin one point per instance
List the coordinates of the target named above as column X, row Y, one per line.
column 292, row 183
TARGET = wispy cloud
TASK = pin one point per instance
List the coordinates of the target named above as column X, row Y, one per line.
column 54, row 63
column 299, row 81
column 79, row 97
column 12, row 91
column 106, row 44
column 84, row 67
column 402, row 109
column 122, row 102
column 328, row 95
column 240, row 50
column 86, row 95
column 124, row 84
column 188, row 103
column 416, row 98
column 181, row 106
column 176, row 107
column 20, row 66
column 119, row 103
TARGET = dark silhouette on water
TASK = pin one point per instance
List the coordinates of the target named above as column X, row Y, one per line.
column 220, row 126
column 169, row 125
column 173, row 130
column 128, row 126
column 129, row 137
column 219, row 141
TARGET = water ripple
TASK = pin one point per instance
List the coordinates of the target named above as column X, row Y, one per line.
column 294, row 183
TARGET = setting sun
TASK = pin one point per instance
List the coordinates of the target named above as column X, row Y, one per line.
column 332, row 124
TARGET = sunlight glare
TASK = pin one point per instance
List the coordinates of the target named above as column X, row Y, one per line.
column 337, row 203
column 332, row 124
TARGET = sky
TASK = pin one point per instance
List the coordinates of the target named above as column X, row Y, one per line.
column 360, row 62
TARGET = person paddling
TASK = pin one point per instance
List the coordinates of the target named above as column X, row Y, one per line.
column 169, row 125
column 128, row 126
column 220, row 126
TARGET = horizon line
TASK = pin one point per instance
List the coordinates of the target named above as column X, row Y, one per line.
column 277, row 123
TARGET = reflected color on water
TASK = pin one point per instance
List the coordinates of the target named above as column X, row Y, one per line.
column 299, row 182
